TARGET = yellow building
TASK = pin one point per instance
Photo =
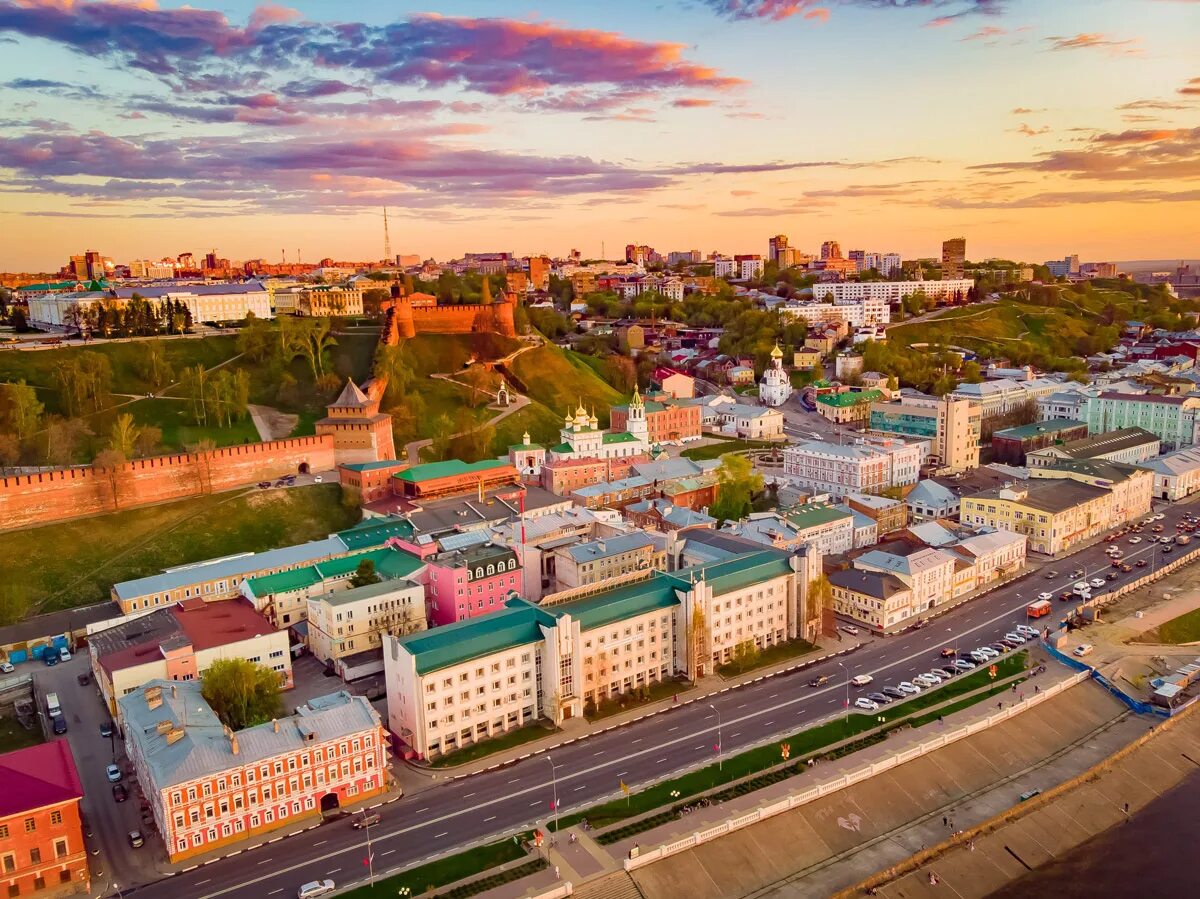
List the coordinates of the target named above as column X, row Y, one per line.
column 329, row 299
column 1054, row 514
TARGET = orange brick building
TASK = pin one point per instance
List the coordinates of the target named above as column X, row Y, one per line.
column 563, row 477
column 667, row 420
column 42, row 852
column 373, row 480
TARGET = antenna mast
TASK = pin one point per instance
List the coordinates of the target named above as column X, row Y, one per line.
column 387, row 241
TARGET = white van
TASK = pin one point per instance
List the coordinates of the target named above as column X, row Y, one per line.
column 860, row 680
column 314, row 888
column 52, row 704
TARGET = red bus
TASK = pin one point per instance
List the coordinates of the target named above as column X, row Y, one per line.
column 1038, row 609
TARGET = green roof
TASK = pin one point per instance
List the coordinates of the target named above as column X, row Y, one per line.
column 1038, row 427
column 389, row 563
column 49, row 286
column 812, row 515
column 562, row 448
column 372, row 466
column 740, row 571
column 657, row 592
column 518, row 447
column 374, row 532
column 849, row 398
column 451, row 467
column 620, row 437
column 285, row 581
column 519, row 623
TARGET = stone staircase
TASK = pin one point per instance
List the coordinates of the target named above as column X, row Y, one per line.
column 617, row 885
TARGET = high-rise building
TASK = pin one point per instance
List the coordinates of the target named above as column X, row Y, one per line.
column 859, row 258
column 831, row 249
column 954, row 258
column 774, row 245
column 539, row 271
column 891, row 264
column 639, row 254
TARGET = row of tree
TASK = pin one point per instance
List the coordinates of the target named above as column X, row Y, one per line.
column 136, row 317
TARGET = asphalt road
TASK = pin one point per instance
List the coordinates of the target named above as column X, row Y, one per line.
column 492, row 804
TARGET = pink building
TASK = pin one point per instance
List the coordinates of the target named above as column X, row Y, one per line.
column 470, row 582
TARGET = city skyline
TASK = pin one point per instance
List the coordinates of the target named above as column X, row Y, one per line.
column 145, row 131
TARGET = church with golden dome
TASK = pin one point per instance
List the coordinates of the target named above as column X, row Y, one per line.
column 582, row 438
column 776, row 384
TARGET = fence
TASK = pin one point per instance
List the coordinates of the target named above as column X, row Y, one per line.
column 1142, row 708
column 795, row 800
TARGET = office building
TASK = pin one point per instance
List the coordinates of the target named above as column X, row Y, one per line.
column 597, row 561
column 1171, row 418
column 831, row 249
column 217, row 303
column 865, row 466
column 951, row 425
column 774, row 245
column 884, row 293
column 345, row 627
column 954, row 258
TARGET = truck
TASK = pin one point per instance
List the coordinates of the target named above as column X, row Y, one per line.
column 52, row 704
column 1038, row 609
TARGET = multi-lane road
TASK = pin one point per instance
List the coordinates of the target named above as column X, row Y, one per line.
column 460, row 812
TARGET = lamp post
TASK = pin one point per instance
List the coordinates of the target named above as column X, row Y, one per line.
column 846, row 706
column 554, row 790
column 720, row 742
column 370, row 855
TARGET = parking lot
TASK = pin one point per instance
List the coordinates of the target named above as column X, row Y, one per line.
column 107, row 823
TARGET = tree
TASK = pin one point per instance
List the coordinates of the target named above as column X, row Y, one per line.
column 738, row 483
column 10, row 449
column 64, row 436
column 242, row 693
column 392, row 364
column 255, row 340
column 744, row 655
column 123, row 436
column 18, row 321
column 111, row 464
column 22, row 410
column 820, row 597
column 152, row 365
column 364, row 574
column 148, row 440
column 443, row 430
column 479, row 381
column 697, row 632
column 971, row 372
column 202, row 451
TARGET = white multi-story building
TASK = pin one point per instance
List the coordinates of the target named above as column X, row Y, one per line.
column 927, row 573
column 1176, row 474
column 1004, row 394
column 205, row 302
column 453, row 686
column 344, row 623
column 208, row 786
column 723, row 268
column 890, row 264
column 329, row 299
column 748, row 269
column 862, row 467
column 891, row 291
column 855, row 312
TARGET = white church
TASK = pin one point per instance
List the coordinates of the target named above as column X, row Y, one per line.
column 776, row 384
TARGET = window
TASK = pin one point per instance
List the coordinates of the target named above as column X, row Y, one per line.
column 64, row 876
column 30, row 825
column 56, row 817
column 60, row 848
column 35, row 855
column 9, row 863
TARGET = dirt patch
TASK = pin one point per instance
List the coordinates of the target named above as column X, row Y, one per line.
column 276, row 424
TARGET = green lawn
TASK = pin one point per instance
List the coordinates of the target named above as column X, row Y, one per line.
column 654, row 692
column 802, row 745
column 717, row 450
column 780, row 652
column 518, row 737
column 561, row 380
column 74, row 563
column 446, row 870
column 1184, row 629
column 13, row 736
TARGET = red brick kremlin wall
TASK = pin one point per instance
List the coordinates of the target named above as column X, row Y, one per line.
column 31, row 500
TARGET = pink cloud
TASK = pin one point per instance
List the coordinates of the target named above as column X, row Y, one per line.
column 1095, row 41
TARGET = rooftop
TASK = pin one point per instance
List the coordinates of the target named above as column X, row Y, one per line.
column 517, row 624
column 812, row 515
column 1048, row 495
column 870, row 583
column 369, row 591
column 849, row 398
column 372, row 466
column 389, row 563
column 741, row 571
column 627, row 601
column 38, row 776
column 1109, row 442
column 204, row 748
column 1037, row 428
column 448, row 469
column 609, row 546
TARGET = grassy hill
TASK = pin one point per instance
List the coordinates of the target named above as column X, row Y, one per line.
column 63, row 565
column 560, row 380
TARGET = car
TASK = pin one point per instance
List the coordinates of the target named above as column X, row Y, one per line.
column 1066, row 596
column 120, row 794
column 365, row 820
column 949, row 653
column 59, row 724
column 1014, row 636
column 1135, row 540
column 106, row 729
column 1046, row 596
column 7, row 667
column 999, row 647
column 64, row 654
column 963, row 664
column 950, row 670
column 924, row 680
column 263, row 485
column 1025, row 630
column 860, row 680
column 909, row 687
column 1112, row 575
column 315, row 888
column 850, row 629
column 1159, row 516
column 937, row 674
column 1078, row 572
column 989, row 652
column 881, row 698
column 1083, row 649
column 894, row 692
column 1009, row 644
column 83, row 678
column 1116, row 563
column 1097, row 582
column 1164, row 539
column 1050, row 575
column 1084, row 594
column 1167, row 548
column 863, row 703
column 1080, row 586
column 819, row 681
column 51, row 659
column 1029, row 794
column 1157, row 529
column 1127, row 567
column 136, row 840
column 113, row 773
column 317, row 479
column 1142, row 563
column 978, row 656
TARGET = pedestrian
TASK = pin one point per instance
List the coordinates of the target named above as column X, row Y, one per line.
column 676, row 698
column 941, row 723
column 1000, row 705
column 945, row 821
column 556, row 874
column 971, row 845
column 1014, row 688
column 1037, row 688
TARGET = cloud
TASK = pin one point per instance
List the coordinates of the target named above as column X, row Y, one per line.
column 691, row 103
column 987, row 32
column 1153, row 104
column 1145, row 136
column 1070, row 198
column 818, row 10
column 1167, row 154
column 1095, row 41
column 1024, row 110
column 1030, row 131
column 1192, row 88
column 496, row 56
column 55, row 88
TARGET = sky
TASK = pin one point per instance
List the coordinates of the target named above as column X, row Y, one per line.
column 1034, row 128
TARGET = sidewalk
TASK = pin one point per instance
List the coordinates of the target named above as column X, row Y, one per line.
column 415, row 777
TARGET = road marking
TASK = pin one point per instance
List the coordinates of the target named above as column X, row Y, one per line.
column 334, row 871
column 514, row 780
column 638, row 740
column 485, row 821
column 390, row 851
column 202, row 882
column 320, row 842
column 736, row 733
column 418, row 811
column 264, row 861
column 622, row 773
column 669, row 729
column 580, row 787
column 273, row 892
column 440, row 835
column 467, row 795
column 535, row 803
column 742, row 706
column 660, row 761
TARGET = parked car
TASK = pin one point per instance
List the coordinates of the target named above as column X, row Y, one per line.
column 819, row 681
column 894, row 693
column 863, row 703
column 950, row 670
column 135, row 839
column 113, row 773
column 850, row 629
column 1025, row 630
column 1029, row 794
column 83, row 679
column 59, row 724
column 317, row 479
column 937, row 674
column 263, row 485
column 64, row 654
column 963, row 664
column 921, row 622
column 990, row 652
column 881, row 698
column 1083, row 649
column 119, row 792
column 977, row 656
column 1016, row 635
column 7, row 667
column 924, row 680
column 51, row 659
column 909, row 687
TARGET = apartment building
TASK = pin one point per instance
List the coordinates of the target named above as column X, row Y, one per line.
column 866, row 466
column 856, row 312
column 180, row 642
column 1129, row 446
column 952, row 427
column 1131, row 487
column 927, row 573
column 1171, row 418
column 887, row 513
column 827, row 528
column 453, row 686
column 1176, row 474
column 749, row 422
column 344, row 624
column 930, row 500
column 42, row 852
column 209, row 787
column 473, row 581
column 1005, row 395
column 891, row 292
column 598, row 560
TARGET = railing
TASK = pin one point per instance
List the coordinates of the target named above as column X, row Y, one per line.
column 793, row 800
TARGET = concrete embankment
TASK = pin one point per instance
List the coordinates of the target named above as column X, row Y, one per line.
column 825, row 845
column 987, row 858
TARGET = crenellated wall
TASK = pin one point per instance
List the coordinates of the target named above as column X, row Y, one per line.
column 46, row 497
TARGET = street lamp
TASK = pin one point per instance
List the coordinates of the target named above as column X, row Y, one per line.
column 720, row 742
column 846, row 705
column 554, row 789
column 370, row 855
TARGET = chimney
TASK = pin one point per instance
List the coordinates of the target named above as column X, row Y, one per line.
column 275, row 724
column 174, row 691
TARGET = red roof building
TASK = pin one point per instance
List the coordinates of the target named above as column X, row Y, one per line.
column 42, row 852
